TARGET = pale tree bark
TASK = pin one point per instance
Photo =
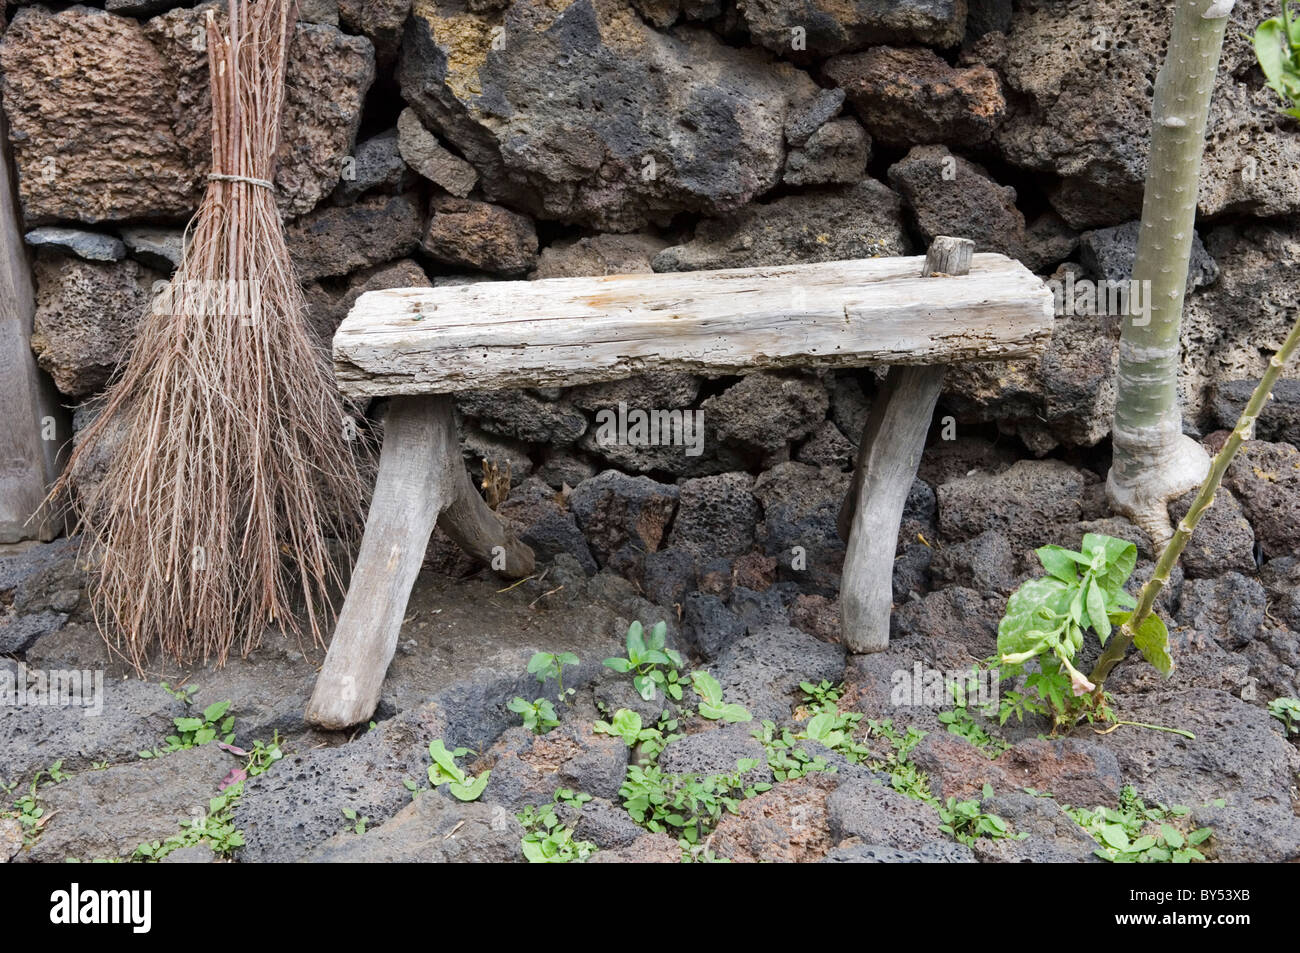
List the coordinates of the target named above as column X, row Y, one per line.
column 1153, row 460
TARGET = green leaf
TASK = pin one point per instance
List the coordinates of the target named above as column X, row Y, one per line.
column 734, row 714
column 635, row 640
column 645, row 687
column 620, row 665
column 1115, row 836
column 1172, row 837
column 567, row 658
column 1271, row 46
column 471, row 790
column 707, row 687
column 540, row 663
column 1097, row 611
column 1059, row 562
column 214, row 711
column 1152, row 640
column 446, row 760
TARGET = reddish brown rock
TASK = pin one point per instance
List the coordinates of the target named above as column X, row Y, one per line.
column 110, row 117
column 1077, row 771
column 816, row 615
column 648, row 849
column 787, row 824
column 912, row 96
column 754, row 571
column 480, row 235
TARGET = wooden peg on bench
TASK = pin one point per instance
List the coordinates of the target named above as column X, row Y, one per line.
column 888, row 456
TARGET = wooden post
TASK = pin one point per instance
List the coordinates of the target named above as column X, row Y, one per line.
column 888, row 457
column 421, row 480
column 34, row 427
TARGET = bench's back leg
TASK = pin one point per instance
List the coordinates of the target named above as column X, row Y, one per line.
column 888, row 456
column 416, row 467
column 472, row 526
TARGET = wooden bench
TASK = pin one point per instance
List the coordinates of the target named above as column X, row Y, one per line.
column 418, row 345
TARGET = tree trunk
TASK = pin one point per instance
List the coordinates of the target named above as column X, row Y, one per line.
column 1153, row 461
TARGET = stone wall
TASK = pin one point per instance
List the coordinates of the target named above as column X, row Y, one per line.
column 445, row 141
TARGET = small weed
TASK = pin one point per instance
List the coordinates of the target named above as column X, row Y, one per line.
column 821, row 694
column 965, row 821
column 551, row 665
column 358, row 823
column 1287, row 711
column 192, row 732
column 686, row 805
column 1135, row 833
column 961, row 723
column 547, row 839
column 787, row 760
column 653, row 665
column 538, row 716
column 444, row 770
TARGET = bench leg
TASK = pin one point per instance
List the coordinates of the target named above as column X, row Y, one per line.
column 420, row 476
column 888, row 456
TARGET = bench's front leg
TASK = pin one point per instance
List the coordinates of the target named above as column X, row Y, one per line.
column 889, row 455
column 417, row 465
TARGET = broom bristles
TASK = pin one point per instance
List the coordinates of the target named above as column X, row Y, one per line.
column 216, row 511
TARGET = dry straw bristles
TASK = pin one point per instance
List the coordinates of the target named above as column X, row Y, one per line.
column 237, row 467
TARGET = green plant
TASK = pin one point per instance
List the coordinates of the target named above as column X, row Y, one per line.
column 904, row 777
column 1046, row 619
column 966, row 821
column 712, row 706
column 358, row 823
column 959, row 721
column 444, row 770
column 627, row 724
column 787, row 760
column 538, row 716
column 216, row 828
column 1135, row 833
column 1287, row 711
column 551, row 665
column 834, row 729
column 192, row 732
column 547, row 839
column 184, row 695
column 822, row 693
column 1277, row 47
column 653, row 665
column 687, row 805
column 1153, row 460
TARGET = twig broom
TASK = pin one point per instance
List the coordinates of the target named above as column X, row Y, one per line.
column 235, row 470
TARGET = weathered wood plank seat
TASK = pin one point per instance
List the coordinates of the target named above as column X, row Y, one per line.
column 418, row 345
